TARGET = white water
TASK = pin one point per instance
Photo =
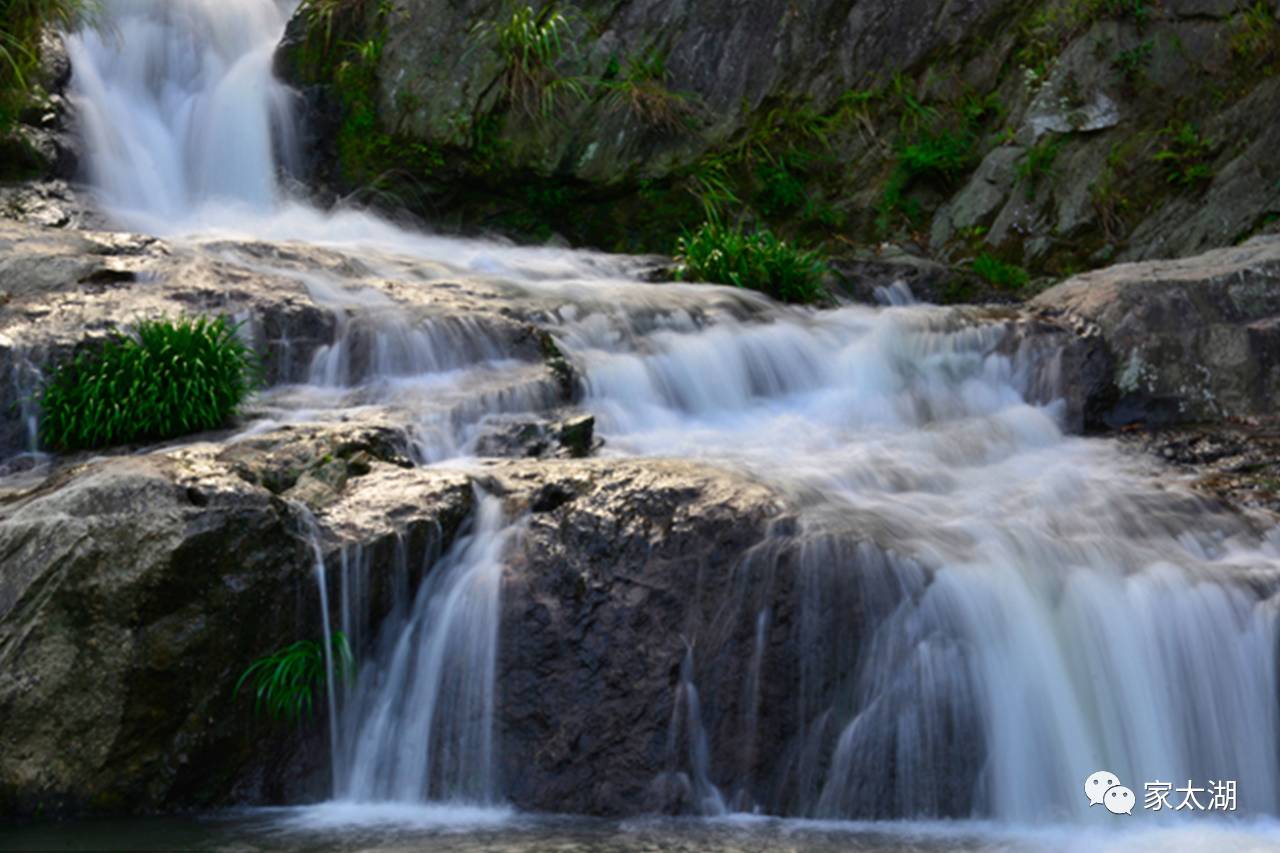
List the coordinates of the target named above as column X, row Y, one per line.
column 419, row 721
column 1040, row 606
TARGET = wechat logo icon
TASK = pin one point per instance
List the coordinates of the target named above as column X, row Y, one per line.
column 1104, row 789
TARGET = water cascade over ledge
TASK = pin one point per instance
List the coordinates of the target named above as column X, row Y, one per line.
column 989, row 610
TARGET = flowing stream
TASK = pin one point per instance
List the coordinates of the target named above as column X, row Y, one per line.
column 1049, row 607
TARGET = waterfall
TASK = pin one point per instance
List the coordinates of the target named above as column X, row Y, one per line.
column 178, row 107
column 988, row 610
column 420, row 718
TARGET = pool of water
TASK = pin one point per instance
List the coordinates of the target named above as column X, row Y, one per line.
column 338, row 829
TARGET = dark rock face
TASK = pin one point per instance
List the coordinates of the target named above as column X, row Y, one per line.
column 131, row 596
column 599, row 603
column 1191, row 340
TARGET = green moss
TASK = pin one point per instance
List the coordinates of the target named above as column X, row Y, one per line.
column 1132, row 64
column 1037, row 163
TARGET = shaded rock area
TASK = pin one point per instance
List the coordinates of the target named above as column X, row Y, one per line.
column 147, row 583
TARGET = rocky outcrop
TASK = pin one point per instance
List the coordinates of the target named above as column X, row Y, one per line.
column 62, row 289
column 136, row 589
column 1191, row 340
column 1057, row 133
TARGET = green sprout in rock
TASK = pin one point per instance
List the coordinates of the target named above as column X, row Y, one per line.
column 531, row 44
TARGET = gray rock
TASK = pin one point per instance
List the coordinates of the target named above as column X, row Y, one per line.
column 1196, row 339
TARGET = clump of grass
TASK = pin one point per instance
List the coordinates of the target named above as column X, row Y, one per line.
column 1132, row 63
column 1185, row 155
column 531, row 44
column 1255, row 40
column 640, row 89
column 942, row 156
column 757, row 260
column 998, row 273
column 168, row 379
column 285, row 682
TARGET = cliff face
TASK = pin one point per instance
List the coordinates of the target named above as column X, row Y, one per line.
column 1058, row 135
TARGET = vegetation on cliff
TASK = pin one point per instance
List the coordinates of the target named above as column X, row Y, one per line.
column 23, row 24
column 286, row 682
column 1054, row 136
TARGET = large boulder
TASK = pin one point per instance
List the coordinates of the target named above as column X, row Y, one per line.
column 132, row 593
column 1196, row 339
column 135, row 590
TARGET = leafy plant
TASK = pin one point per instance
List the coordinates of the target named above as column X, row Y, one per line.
column 709, row 181
column 998, row 273
column 1255, row 39
column 756, row 260
column 23, row 23
column 1132, row 62
column 1037, row 163
column 167, row 380
column 640, row 89
column 781, row 189
column 1185, row 155
column 531, row 44
column 941, row 156
column 285, row 682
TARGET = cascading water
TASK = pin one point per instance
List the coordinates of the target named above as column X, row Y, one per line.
column 1036, row 606
column 420, row 719
column 178, row 106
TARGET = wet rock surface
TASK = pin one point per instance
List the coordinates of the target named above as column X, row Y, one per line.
column 1237, row 462
column 149, row 581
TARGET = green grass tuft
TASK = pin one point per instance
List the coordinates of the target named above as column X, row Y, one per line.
column 167, row 380
column 756, row 260
column 999, row 274
column 532, row 43
column 1186, row 156
column 285, row 682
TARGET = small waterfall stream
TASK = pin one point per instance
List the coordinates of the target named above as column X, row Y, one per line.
column 1038, row 606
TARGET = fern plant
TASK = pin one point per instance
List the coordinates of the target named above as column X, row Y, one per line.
column 168, row 379
column 286, row 682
